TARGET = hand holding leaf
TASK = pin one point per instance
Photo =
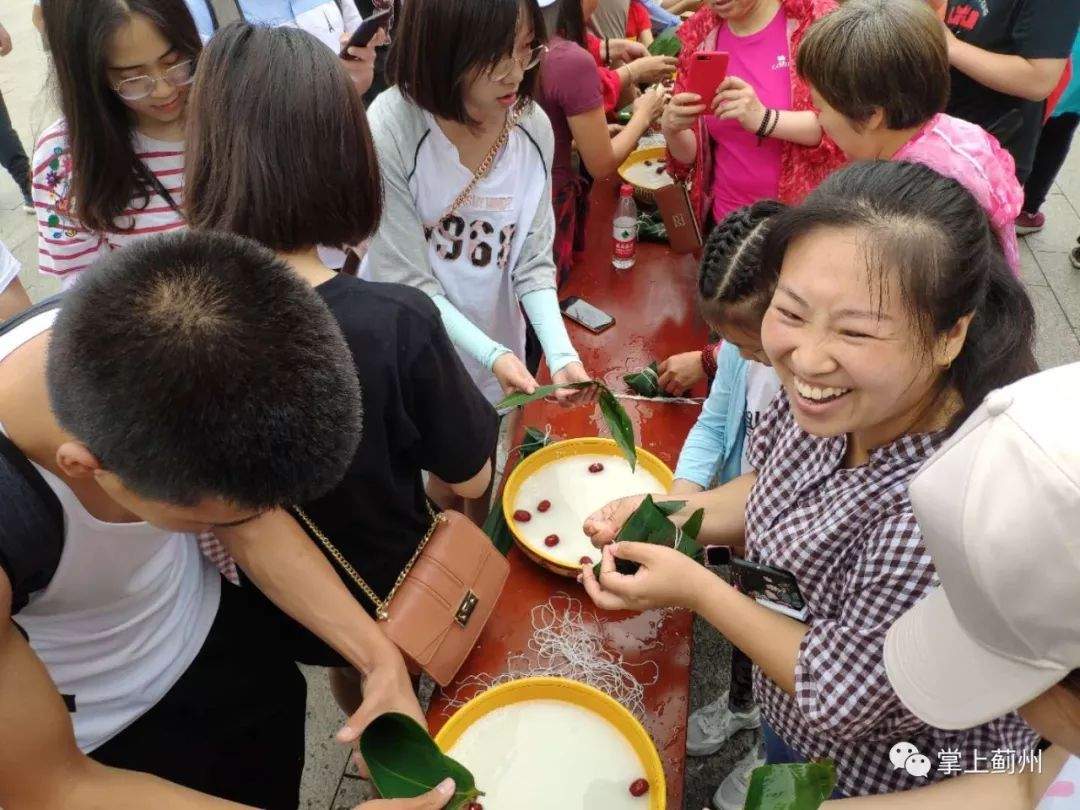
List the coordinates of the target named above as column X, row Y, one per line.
column 618, row 422
column 405, row 762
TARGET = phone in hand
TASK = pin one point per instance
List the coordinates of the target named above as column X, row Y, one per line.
column 771, row 587
column 365, row 31
column 585, row 314
column 707, row 70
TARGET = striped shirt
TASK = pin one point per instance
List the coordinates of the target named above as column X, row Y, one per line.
column 850, row 538
column 65, row 247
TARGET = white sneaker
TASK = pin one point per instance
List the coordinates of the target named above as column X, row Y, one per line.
column 713, row 725
column 731, row 795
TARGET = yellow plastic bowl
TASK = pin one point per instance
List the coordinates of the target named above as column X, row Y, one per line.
column 556, row 452
column 577, row 694
column 644, row 195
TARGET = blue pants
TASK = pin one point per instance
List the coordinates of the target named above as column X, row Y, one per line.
column 778, row 752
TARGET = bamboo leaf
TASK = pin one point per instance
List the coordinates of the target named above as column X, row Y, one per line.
column 618, row 422
column 667, row 43
column 495, row 526
column 651, row 523
column 688, row 540
column 405, row 762
column 802, row 786
column 669, row 508
column 544, row 391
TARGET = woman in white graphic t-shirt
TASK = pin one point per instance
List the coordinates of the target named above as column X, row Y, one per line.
column 466, row 163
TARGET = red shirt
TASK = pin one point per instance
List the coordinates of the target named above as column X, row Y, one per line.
column 637, row 20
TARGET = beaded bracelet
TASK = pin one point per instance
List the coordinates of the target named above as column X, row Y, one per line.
column 764, row 125
column 772, row 126
column 708, row 360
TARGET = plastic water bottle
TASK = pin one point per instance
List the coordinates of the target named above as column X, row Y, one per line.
column 625, row 229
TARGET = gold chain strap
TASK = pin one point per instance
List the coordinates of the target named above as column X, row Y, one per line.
column 485, row 165
column 382, row 606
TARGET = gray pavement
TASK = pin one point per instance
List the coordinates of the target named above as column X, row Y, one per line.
column 330, row 783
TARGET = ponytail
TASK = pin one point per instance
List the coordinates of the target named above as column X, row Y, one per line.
column 999, row 347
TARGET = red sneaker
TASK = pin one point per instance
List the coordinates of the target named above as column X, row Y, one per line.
column 1029, row 223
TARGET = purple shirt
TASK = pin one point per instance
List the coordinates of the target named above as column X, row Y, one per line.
column 745, row 172
column 569, row 86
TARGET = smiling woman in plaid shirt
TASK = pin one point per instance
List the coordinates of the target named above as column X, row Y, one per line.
column 894, row 314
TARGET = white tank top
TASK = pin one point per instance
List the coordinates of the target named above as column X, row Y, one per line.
column 126, row 612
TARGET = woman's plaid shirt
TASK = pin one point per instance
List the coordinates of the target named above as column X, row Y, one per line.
column 850, row 538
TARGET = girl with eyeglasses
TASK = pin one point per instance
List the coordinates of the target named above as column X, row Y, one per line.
column 111, row 169
column 466, row 162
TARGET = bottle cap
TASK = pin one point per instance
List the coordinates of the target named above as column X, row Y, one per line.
column 626, row 190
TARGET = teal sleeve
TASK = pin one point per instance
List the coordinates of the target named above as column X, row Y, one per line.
column 466, row 335
column 542, row 307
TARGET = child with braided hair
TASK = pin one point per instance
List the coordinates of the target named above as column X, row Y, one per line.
column 734, row 295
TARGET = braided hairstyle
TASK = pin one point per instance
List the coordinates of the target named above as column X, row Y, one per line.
column 731, row 271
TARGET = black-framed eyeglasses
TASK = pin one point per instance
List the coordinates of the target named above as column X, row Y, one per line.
column 139, row 87
column 503, row 69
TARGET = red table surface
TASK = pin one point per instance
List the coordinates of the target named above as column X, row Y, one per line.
column 655, row 309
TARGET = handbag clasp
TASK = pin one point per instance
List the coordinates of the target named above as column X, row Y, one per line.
column 466, row 608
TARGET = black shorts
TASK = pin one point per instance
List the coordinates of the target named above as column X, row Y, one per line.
column 233, row 725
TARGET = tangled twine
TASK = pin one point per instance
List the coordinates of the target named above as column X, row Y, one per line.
column 566, row 643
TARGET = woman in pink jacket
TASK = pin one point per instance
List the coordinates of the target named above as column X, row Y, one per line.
column 878, row 72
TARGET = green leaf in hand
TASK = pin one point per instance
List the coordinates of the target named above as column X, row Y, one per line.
column 791, row 787
column 405, row 762
column 521, row 398
column 618, row 422
column 688, row 539
column 651, row 523
column 646, row 382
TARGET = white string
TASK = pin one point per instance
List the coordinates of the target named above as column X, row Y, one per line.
column 567, row 642
column 669, row 400
column 544, row 441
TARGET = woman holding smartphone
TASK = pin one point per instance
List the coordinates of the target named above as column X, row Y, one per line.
column 758, row 130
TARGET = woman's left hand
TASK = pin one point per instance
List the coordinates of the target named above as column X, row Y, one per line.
column 573, row 373
column 736, row 100
column 666, row 578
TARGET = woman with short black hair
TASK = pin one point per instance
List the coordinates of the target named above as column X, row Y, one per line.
column 262, row 91
column 466, row 164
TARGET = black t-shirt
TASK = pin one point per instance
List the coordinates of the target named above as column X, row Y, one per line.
column 422, row 411
column 1033, row 29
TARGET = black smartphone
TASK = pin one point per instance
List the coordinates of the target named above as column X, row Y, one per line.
column 718, row 556
column 582, row 312
column 772, row 587
column 365, row 31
